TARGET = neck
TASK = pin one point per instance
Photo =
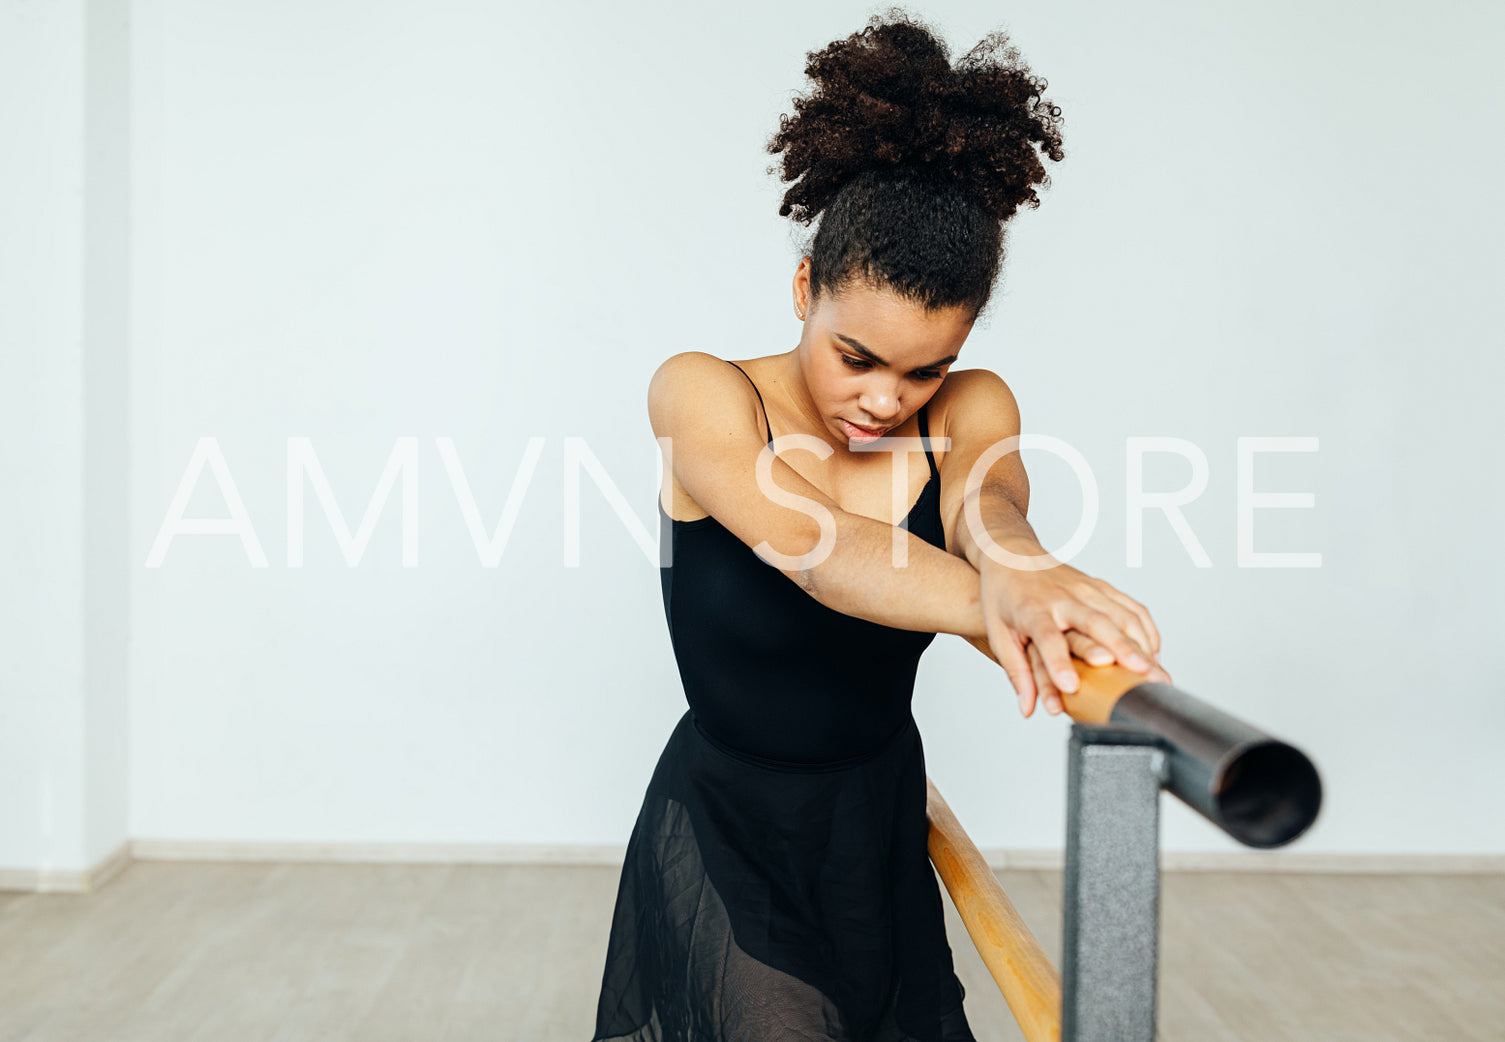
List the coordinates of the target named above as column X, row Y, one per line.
column 794, row 396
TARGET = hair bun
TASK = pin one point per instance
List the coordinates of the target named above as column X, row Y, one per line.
column 888, row 97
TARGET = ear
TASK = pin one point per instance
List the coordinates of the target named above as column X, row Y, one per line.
column 802, row 286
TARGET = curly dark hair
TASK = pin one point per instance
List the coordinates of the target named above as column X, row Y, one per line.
column 915, row 164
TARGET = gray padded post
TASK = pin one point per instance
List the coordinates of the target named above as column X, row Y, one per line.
column 1112, row 885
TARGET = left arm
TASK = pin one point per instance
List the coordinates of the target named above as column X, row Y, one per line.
column 1038, row 610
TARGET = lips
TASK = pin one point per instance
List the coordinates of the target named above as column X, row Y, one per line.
column 871, row 432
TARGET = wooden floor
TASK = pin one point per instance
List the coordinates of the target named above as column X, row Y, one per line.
column 246, row 952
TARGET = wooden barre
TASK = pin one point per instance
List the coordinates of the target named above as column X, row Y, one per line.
column 1030, row 983
column 1098, row 687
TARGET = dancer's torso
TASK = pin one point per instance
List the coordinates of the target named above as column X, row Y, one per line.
column 770, row 671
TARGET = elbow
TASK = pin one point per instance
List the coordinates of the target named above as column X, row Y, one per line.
column 824, row 571
column 811, row 576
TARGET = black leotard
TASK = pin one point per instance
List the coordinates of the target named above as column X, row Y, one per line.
column 777, row 883
column 770, row 670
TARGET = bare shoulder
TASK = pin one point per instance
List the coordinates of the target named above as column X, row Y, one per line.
column 685, row 371
column 707, row 419
column 691, row 386
column 973, row 400
column 709, row 412
column 966, row 390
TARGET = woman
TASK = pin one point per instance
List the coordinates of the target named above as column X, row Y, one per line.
column 777, row 883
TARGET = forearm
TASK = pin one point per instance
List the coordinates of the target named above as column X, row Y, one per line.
column 1006, row 526
column 933, row 592
column 1003, row 522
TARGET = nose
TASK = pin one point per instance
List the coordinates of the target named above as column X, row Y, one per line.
column 880, row 401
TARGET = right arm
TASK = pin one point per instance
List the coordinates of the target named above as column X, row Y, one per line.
column 710, row 414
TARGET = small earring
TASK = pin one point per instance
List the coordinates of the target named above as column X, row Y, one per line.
column 800, row 312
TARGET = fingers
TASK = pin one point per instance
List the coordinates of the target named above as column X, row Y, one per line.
column 1094, row 654
column 1151, row 638
column 1082, row 647
column 1010, row 655
column 1149, row 624
column 1106, row 630
column 1132, row 627
column 1147, row 634
column 1053, row 649
column 1087, row 649
column 1050, row 695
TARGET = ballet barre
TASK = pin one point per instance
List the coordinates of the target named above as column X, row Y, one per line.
column 1130, row 738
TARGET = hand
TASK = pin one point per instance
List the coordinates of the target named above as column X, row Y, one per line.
column 1082, row 647
column 1036, row 621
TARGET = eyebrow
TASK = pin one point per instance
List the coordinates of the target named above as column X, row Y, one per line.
column 867, row 352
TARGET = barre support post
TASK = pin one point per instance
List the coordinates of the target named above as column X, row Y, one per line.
column 1111, row 894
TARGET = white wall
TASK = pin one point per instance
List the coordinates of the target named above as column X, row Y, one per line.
column 64, row 449
column 41, row 415
column 364, row 223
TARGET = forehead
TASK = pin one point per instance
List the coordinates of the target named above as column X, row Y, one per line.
column 899, row 331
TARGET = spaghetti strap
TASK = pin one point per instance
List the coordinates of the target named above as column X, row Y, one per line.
column 925, row 439
column 759, row 393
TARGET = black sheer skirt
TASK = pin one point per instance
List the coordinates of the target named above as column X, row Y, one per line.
column 762, row 900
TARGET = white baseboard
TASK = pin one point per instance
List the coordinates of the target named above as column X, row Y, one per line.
column 412, row 853
column 998, row 857
column 1275, row 861
column 611, row 854
column 66, row 880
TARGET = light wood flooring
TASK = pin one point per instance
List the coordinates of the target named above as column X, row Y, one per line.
column 281, row 952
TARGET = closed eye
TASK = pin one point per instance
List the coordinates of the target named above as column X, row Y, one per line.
column 862, row 363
